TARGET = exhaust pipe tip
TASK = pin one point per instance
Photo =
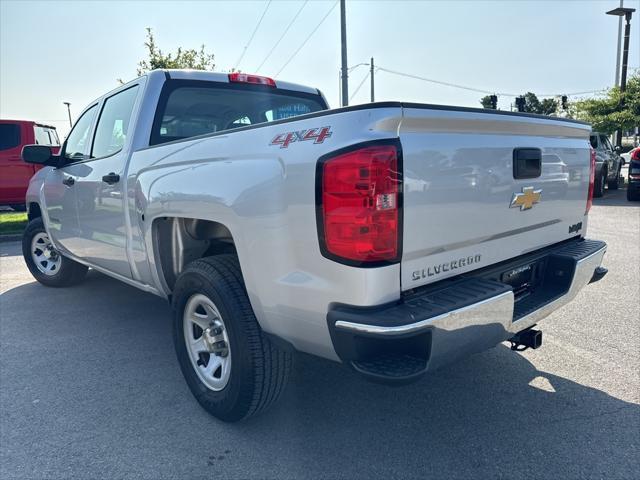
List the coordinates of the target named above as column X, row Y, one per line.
column 529, row 338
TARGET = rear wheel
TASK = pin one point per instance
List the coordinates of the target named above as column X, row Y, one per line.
column 598, row 188
column 45, row 263
column 231, row 367
column 614, row 184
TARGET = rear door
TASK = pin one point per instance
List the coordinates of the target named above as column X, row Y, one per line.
column 466, row 207
column 100, row 186
column 14, row 173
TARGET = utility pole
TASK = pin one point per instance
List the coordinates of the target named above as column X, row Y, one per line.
column 69, row 112
column 373, row 95
column 343, row 41
column 626, row 13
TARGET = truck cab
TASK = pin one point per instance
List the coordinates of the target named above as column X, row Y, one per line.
column 14, row 172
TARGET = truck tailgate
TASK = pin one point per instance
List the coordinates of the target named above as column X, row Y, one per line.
column 465, row 209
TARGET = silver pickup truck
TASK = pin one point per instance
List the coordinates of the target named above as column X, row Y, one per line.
column 393, row 237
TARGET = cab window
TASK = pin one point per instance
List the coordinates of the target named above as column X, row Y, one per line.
column 45, row 136
column 113, row 125
column 77, row 144
column 9, row 136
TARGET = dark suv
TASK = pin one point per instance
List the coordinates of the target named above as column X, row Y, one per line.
column 608, row 164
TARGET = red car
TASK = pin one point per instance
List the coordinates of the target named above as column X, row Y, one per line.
column 14, row 173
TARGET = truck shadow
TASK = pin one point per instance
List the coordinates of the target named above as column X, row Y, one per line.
column 491, row 415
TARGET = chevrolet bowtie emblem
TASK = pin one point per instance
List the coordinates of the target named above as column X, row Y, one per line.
column 526, row 199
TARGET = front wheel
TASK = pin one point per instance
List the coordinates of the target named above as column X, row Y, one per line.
column 45, row 263
column 230, row 366
column 633, row 196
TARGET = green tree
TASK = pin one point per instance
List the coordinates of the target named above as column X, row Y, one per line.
column 486, row 101
column 606, row 114
column 533, row 105
column 181, row 58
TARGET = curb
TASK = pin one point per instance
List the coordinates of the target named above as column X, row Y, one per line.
column 13, row 237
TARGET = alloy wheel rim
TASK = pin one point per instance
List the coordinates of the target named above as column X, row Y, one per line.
column 207, row 342
column 45, row 257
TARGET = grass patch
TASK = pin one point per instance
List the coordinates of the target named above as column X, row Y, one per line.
column 12, row 222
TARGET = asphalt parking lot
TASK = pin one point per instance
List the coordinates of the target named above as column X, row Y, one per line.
column 90, row 388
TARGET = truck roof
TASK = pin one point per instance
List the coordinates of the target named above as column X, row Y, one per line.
column 26, row 122
column 185, row 74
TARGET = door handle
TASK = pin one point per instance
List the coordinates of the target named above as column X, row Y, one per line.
column 111, row 178
column 68, row 181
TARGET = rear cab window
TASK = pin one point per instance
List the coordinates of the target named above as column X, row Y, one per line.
column 9, row 136
column 188, row 108
column 46, row 135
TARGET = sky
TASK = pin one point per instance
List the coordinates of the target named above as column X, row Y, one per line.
column 52, row 52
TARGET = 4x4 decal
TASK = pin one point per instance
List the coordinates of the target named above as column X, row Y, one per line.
column 318, row 135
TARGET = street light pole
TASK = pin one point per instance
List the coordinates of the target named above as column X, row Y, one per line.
column 617, row 77
column 343, row 41
column 626, row 12
column 69, row 113
column 373, row 94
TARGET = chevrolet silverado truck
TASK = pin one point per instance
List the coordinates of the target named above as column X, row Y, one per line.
column 392, row 237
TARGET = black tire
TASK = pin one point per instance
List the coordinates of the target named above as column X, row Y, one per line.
column 19, row 208
column 66, row 274
column 633, row 196
column 614, row 184
column 598, row 187
column 259, row 368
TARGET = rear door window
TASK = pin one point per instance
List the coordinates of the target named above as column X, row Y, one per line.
column 189, row 108
column 113, row 125
column 9, row 136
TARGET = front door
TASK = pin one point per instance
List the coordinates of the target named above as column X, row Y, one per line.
column 100, row 187
column 59, row 186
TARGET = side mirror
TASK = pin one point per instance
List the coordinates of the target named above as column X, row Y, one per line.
column 618, row 148
column 40, row 155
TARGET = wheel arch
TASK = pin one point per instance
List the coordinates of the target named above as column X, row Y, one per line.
column 177, row 241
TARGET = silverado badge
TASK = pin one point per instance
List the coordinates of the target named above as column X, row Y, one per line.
column 526, row 199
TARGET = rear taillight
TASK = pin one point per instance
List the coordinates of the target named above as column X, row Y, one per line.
column 359, row 196
column 592, row 179
column 238, row 77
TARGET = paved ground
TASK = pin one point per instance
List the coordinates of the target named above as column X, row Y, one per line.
column 90, row 389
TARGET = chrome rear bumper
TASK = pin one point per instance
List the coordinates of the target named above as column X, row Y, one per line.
column 483, row 312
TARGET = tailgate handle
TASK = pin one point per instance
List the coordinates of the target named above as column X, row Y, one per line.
column 527, row 163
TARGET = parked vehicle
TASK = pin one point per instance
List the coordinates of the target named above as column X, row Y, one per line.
column 394, row 237
column 608, row 164
column 633, row 189
column 14, row 172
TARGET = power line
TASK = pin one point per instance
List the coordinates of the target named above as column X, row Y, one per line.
column 244, row 50
column 282, row 36
column 455, row 85
column 359, row 86
column 473, row 89
column 306, row 39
